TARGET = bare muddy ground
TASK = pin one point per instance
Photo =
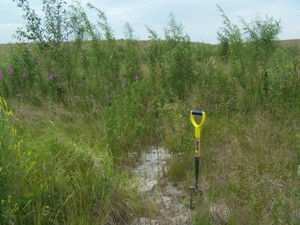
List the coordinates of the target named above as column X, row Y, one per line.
column 169, row 203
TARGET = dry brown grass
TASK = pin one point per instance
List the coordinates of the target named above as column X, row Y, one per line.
column 291, row 42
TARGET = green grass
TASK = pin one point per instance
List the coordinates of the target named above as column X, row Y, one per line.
column 67, row 152
column 73, row 153
column 249, row 163
column 68, row 176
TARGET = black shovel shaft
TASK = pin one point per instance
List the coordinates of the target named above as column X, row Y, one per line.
column 197, row 164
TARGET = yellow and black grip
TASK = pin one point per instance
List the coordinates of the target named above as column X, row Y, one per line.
column 197, row 126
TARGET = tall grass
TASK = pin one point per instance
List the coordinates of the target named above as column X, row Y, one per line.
column 65, row 175
column 87, row 108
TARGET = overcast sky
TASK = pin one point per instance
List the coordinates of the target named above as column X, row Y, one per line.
column 201, row 18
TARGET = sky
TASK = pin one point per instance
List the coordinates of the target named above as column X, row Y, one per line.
column 201, row 18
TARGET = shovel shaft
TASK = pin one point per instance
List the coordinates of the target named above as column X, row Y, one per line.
column 197, row 147
column 197, row 165
column 197, row 160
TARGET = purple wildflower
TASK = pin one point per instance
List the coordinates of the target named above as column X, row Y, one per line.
column 53, row 75
column 10, row 69
column 50, row 77
column 24, row 74
column 1, row 74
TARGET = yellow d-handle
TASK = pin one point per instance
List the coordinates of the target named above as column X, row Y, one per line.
column 197, row 126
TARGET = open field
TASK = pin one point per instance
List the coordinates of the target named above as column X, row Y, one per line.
column 76, row 116
column 293, row 42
